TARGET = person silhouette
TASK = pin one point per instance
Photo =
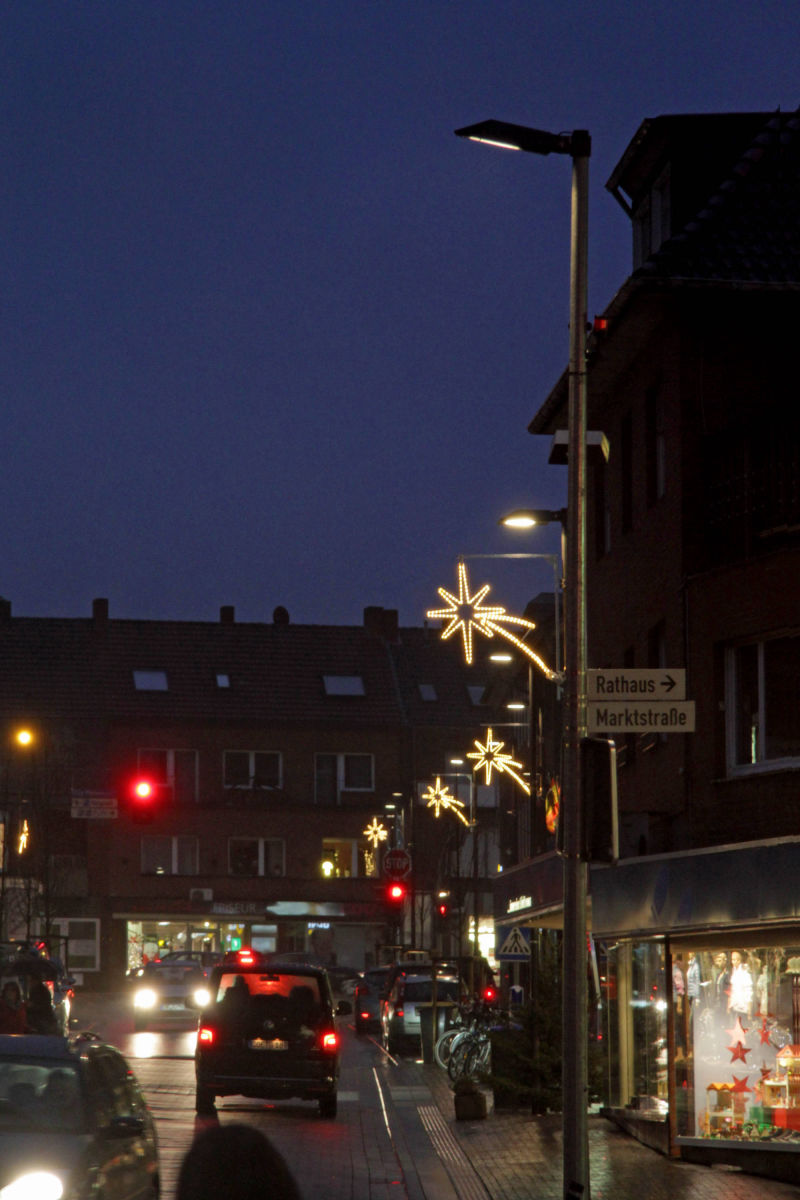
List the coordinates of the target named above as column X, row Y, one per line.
column 234, row 1161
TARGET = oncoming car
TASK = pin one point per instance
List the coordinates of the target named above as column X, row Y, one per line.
column 175, row 990
column 269, row 1032
column 73, row 1122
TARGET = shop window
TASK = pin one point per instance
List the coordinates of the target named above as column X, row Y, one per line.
column 252, row 769
column 737, row 1041
column 256, row 856
column 763, row 704
column 165, row 855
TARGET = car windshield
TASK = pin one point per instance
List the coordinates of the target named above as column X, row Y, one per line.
column 38, row 1094
column 421, row 990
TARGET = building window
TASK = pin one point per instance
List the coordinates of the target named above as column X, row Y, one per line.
column 476, row 693
column 655, row 447
column 150, row 681
column 626, row 470
column 763, row 704
column 256, row 856
column 165, row 855
column 337, row 773
column 175, row 771
column 427, row 691
column 252, row 769
column 348, row 859
column 343, row 685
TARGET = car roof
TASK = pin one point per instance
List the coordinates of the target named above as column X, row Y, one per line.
column 270, row 968
column 15, row 1045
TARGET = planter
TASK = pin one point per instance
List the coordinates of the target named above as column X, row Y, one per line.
column 470, row 1106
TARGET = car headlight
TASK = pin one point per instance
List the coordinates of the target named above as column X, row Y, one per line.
column 144, row 998
column 201, row 997
column 36, row 1185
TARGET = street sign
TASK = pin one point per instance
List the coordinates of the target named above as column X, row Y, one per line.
column 640, row 716
column 93, row 805
column 517, row 946
column 636, row 683
column 396, row 863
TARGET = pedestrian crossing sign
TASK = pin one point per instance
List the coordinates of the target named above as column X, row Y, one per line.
column 516, row 946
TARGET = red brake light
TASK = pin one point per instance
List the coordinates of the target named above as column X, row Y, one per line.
column 329, row 1041
column 246, row 958
column 489, row 994
column 205, row 1036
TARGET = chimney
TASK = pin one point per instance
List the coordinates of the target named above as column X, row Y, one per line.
column 280, row 615
column 100, row 612
column 227, row 615
column 383, row 622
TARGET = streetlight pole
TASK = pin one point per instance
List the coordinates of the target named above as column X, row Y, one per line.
column 574, row 1013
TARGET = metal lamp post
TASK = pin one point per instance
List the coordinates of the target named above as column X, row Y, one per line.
column 575, row 1024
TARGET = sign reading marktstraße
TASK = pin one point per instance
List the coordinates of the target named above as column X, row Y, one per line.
column 636, row 683
column 640, row 716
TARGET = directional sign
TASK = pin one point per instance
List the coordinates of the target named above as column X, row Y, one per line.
column 636, row 683
column 396, row 863
column 640, row 716
column 517, row 946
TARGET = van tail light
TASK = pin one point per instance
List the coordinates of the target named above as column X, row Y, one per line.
column 365, row 1015
column 329, row 1041
column 399, row 1011
column 205, row 1036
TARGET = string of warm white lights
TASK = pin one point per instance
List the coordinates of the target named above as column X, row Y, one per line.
column 439, row 799
column 465, row 612
column 489, row 758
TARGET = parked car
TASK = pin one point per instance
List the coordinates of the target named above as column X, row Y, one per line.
column 367, row 999
column 168, row 991
column 269, row 1032
column 400, row 1018
column 344, row 980
column 73, row 1122
column 28, row 968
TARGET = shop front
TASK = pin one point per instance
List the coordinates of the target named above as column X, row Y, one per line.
column 701, row 956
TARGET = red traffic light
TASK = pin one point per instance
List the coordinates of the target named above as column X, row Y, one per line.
column 143, row 789
column 143, row 797
column 443, row 910
column 396, row 892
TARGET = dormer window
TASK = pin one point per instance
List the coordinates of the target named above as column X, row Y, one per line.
column 652, row 220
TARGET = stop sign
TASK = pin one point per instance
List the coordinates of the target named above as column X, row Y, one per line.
column 396, row 863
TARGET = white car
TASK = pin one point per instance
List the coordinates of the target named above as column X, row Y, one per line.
column 169, row 991
column 400, row 1018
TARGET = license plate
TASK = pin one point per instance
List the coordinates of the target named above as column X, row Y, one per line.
column 176, row 1007
column 264, row 1044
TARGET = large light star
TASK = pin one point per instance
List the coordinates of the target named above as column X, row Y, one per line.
column 489, row 758
column 465, row 612
column 375, row 832
column 439, row 799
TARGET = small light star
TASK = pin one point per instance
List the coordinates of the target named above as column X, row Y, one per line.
column 439, row 798
column 764, row 1034
column 465, row 612
column 375, row 832
column 489, row 757
column 738, row 1052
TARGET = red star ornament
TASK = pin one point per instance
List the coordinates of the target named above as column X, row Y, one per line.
column 764, row 1034
column 740, row 1085
column 738, row 1032
column 738, row 1051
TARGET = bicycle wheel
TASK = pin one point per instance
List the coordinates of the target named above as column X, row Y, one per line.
column 458, row 1054
column 477, row 1064
column 444, row 1046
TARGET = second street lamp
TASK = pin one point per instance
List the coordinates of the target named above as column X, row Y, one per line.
column 575, row 1024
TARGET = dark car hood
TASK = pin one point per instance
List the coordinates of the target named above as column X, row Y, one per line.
column 21, row 1152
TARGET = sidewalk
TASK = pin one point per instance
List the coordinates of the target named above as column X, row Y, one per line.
column 519, row 1157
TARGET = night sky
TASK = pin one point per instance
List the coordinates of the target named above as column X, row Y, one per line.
column 271, row 334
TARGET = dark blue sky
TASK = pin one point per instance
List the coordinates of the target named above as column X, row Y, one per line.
column 271, row 334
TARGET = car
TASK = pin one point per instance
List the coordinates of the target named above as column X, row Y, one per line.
column 27, row 968
column 367, row 999
column 205, row 959
column 73, row 1121
column 168, row 991
column 400, row 1017
column 344, row 980
column 269, row 1032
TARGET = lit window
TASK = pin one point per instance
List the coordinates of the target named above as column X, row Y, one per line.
column 150, row 681
column 343, row 685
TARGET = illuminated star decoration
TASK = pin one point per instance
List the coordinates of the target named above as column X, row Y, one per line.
column 439, row 798
column 375, row 832
column 465, row 611
column 489, row 758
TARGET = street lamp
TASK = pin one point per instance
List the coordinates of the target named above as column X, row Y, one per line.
column 575, row 1025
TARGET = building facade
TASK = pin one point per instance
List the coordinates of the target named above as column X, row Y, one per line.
column 282, row 761
column 693, row 562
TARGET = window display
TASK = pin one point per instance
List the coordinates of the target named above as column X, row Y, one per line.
column 737, row 1042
